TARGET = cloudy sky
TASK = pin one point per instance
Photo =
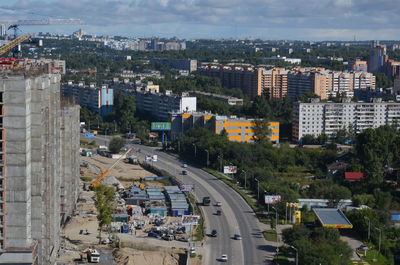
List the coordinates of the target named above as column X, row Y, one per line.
column 266, row 19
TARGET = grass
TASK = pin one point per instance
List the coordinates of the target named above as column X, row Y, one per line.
column 270, row 235
column 86, row 178
column 376, row 258
column 198, row 234
column 138, row 246
column 260, row 215
column 282, row 260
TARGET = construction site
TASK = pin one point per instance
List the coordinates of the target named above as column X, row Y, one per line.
column 145, row 229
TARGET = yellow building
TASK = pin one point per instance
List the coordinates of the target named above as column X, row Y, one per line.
column 237, row 129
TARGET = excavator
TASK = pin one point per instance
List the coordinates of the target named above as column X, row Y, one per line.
column 96, row 182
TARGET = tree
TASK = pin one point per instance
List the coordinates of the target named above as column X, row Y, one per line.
column 116, row 144
column 262, row 132
column 103, row 199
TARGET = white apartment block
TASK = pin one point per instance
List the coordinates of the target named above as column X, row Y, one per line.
column 315, row 118
column 159, row 105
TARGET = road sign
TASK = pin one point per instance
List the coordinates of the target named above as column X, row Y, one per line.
column 190, row 219
column 230, row 169
column 160, row 126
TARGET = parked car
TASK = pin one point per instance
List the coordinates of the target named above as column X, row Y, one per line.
column 363, row 248
column 192, row 250
column 168, row 237
column 214, row 233
column 152, row 234
column 237, row 237
column 183, row 239
column 223, row 258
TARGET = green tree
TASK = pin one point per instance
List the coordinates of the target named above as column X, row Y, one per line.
column 262, row 132
column 116, row 144
column 103, row 199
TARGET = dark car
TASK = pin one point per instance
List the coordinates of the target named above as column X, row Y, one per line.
column 214, row 233
column 219, row 212
column 152, row 234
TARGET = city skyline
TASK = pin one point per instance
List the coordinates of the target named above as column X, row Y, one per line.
column 265, row 19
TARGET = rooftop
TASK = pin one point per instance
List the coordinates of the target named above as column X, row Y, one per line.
column 332, row 218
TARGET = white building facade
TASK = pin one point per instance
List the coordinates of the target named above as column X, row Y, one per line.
column 316, row 118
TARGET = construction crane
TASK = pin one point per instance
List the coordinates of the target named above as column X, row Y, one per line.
column 6, row 48
column 96, row 182
column 41, row 22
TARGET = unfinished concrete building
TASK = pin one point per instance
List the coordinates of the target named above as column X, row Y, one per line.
column 40, row 162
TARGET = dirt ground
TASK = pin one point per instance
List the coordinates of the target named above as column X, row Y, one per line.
column 81, row 231
column 126, row 173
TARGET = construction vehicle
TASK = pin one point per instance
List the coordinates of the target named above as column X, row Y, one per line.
column 93, row 256
column 96, row 182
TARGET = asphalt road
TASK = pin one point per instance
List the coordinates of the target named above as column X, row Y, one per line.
column 237, row 217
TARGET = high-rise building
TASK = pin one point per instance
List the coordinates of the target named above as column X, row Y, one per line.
column 377, row 59
column 3, row 29
column 316, row 118
column 358, row 65
column 39, row 168
column 274, row 83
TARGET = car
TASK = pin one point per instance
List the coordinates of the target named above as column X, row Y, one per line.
column 237, row 237
column 184, row 172
column 223, row 258
column 152, row 234
column 192, row 250
column 168, row 237
column 363, row 248
column 183, row 239
column 219, row 212
column 184, row 166
column 218, row 204
column 214, row 233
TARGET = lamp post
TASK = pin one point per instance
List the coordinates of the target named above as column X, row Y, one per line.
column 258, row 189
column 98, row 123
column 115, row 126
column 245, row 179
column 297, row 255
column 276, row 222
column 208, row 157
column 220, row 157
column 369, row 226
column 380, row 238
column 195, row 150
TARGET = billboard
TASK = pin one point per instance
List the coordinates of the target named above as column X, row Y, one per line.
column 187, row 187
column 190, row 219
column 89, row 135
column 160, row 126
column 272, row 199
column 230, row 169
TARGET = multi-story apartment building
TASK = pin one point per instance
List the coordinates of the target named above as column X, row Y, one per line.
column 236, row 129
column 253, row 81
column 315, row 118
column 178, row 64
column 358, row 65
column 326, row 83
column 99, row 99
column 274, row 83
column 39, row 165
column 159, row 105
column 377, row 59
column 227, row 99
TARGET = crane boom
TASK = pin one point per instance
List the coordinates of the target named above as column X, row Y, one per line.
column 106, row 172
column 9, row 46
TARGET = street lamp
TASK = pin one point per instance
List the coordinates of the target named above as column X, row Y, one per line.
column 380, row 237
column 276, row 222
column 258, row 189
column 297, row 255
column 245, row 179
column 195, row 150
column 220, row 157
column 369, row 226
column 208, row 157
column 115, row 126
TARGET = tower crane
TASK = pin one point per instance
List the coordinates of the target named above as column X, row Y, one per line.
column 14, row 25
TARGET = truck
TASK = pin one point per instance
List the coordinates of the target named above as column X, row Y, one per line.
column 93, row 256
column 206, row 201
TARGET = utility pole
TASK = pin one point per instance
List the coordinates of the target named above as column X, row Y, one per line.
column 258, row 189
column 380, row 238
column 208, row 157
column 195, row 150
column 245, row 179
column 369, row 226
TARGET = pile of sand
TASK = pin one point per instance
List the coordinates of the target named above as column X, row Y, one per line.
column 128, row 256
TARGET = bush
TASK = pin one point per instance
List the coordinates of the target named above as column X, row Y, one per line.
column 116, row 144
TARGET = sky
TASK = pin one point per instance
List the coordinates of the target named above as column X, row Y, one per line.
column 265, row 19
